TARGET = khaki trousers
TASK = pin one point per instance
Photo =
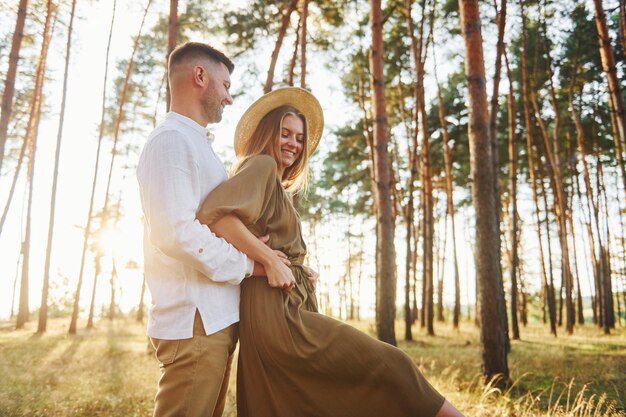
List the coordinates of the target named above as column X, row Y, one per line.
column 194, row 372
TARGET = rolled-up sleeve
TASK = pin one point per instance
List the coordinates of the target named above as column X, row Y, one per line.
column 168, row 175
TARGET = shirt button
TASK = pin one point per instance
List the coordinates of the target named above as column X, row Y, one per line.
column 200, row 250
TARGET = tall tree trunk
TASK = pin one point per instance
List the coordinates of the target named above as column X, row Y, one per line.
column 112, row 283
column 410, row 214
column 172, row 39
column 441, row 274
column 43, row 309
column 414, row 309
column 548, row 289
column 558, row 185
column 294, row 56
column 449, row 187
column 286, row 17
column 585, row 223
column 560, row 209
column 305, row 14
column 417, row 46
column 514, row 265
column 556, row 176
column 120, row 113
column 607, row 57
column 385, row 251
column 487, row 252
column 501, row 22
column 87, row 232
column 546, row 222
column 609, row 311
column 9, row 82
column 592, row 232
column 32, row 131
column 574, row 177
column 92, row 304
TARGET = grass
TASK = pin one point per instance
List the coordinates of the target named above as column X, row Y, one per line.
column 109, row 371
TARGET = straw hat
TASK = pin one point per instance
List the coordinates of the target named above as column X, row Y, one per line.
column 297, row 97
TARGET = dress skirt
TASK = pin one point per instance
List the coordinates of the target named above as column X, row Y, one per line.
column 294, row 361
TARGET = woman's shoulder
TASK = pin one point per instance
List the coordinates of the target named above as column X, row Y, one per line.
column 261, row 164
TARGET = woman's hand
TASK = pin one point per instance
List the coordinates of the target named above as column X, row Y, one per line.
column 279, row 275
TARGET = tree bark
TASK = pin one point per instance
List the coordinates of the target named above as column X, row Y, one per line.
column 305, row 14
column 286, row 16
column 43, row 309
column 9, row 82
column 385, row 253
column 409, row 217
column 501, row 23
column 31, row 138
column 487, row 253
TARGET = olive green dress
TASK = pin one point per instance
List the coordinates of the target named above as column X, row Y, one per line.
column 293, row 361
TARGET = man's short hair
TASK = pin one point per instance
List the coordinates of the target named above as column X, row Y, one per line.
column 196, row 50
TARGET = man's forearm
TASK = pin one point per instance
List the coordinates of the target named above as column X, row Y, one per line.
column 231, row 228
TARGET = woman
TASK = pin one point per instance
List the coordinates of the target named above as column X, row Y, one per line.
column 294, row 361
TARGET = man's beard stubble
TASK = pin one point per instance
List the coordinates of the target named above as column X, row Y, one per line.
column 213, row 109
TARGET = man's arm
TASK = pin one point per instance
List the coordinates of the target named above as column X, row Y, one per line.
column 231, row 228
column 169, row 183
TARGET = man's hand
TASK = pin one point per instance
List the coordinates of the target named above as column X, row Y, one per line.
column 312, row 275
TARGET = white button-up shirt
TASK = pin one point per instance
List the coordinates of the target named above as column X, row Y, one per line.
column 186, row 265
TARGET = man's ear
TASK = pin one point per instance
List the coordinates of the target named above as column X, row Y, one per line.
column 199, row 75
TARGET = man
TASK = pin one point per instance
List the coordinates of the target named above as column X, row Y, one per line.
column 192, row 274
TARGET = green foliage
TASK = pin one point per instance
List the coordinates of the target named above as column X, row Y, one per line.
column 245, row 26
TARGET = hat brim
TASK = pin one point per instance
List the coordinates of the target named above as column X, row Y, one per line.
column 296, row 97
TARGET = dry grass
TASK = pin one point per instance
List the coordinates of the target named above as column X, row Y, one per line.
column 107, row 372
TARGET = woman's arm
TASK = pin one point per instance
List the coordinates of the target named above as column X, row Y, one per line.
column 231, row 228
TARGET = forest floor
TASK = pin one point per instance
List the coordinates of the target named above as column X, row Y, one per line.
column 109, row 371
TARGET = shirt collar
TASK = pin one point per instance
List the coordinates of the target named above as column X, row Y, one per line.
column 206, row 133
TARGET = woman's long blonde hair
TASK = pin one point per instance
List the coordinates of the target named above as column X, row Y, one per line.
column 265, row 140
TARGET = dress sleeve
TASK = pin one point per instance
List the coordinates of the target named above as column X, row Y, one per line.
column 246, row 194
